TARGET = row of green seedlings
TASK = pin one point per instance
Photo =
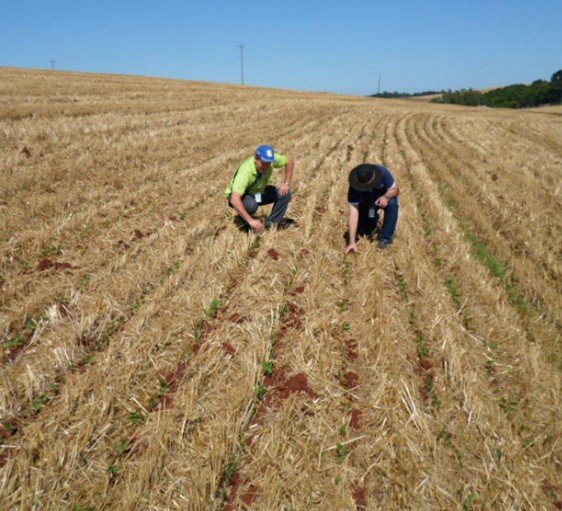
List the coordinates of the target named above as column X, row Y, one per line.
column 507, row 404
column 267, row 365
column 529, row 309
column 444, row 436
column 166, row 387
column 484, row 255
column 227, row 479
column 515, row 293
column 342, row 449
column 465, row 494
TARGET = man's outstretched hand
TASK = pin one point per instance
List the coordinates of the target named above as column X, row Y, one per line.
column 351, row 249
column 257, row 226
column 283, row 189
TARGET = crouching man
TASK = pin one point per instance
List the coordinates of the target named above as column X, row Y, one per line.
column 249, row 189
column 371, row 188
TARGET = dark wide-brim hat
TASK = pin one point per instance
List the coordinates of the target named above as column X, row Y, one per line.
column 365, row 177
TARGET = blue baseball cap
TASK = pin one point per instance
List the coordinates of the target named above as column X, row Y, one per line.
column 265, row 153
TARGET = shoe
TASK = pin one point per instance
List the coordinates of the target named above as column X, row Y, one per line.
column 383, row 243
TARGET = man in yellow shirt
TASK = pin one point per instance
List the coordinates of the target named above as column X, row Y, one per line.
column 249, row 189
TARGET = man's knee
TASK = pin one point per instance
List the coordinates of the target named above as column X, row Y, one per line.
column 250, row 204
column 287, row 197
column 393, row 204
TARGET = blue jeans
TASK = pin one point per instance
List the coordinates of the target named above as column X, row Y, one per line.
column 269, row 196
column 367, row 225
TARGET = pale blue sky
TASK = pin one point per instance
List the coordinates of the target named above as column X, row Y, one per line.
column 325, row 45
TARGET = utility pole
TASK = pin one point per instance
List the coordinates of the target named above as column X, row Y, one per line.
column 241, row 46
column 52, row 64
column 379, row 87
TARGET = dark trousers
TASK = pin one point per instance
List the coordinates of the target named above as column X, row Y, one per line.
column 367, row 225
column 269, row 196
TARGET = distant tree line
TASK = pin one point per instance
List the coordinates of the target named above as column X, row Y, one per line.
column 540, row 92
column 386, row 94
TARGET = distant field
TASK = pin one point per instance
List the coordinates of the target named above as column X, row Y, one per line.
column 154, row 357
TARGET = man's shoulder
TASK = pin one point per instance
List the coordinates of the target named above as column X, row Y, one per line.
column 280, row 160
column 247, row 165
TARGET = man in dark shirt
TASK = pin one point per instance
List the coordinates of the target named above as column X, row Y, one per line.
column 371, row 187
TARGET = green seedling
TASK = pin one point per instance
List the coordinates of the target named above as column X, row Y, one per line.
column 435, row 401
column 267, row 367
column 508, row 405
column 49, row 251
column 341, row 451
column 112, row 470
column 172, row 269
column 230, row 471
column 260, row 391
column 213, row 310
column 18, row 340
column 183, row 215
column 136, row 417
column 490, row 367
column 82, row 507
column 467, row 501
column 454, row 292
column 39, row 402
column 423, row 350
column 444, row 435
column 346, row 325
column 343, row 305
column 343, row 431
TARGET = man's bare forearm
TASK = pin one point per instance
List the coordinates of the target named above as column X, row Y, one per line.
column 289, row 168
column 238, row 205
column 353, row 222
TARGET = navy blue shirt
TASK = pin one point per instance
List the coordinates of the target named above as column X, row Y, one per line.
column 357, row 198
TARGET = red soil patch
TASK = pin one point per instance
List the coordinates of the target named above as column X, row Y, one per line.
column 494, row 177
column 349, row 151
column 250, row 494
column 281, row 387
column 426, row 363
column 122, row 245
column 234, row 486
column 351, row 379
column 321, row 209
column 26, row 152
column 359, row 496
column 297, row 291
column 351, row 349
column 273, row 254
column 292, row 319
column 46, row 264
column 87, row 341
column 237, row 318
column 173, row 218
column 286, row 386
column 228, row 348
column 138, row 234
column 303, row 253
column 355, row 419
column 174, row 378
column 206, row 329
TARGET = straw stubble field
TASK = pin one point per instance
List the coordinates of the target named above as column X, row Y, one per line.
column 154, row 357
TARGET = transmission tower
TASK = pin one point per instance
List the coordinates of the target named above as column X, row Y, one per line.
column 241, row 46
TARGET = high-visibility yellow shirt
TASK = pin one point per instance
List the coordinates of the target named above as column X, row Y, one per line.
column 247, row 178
